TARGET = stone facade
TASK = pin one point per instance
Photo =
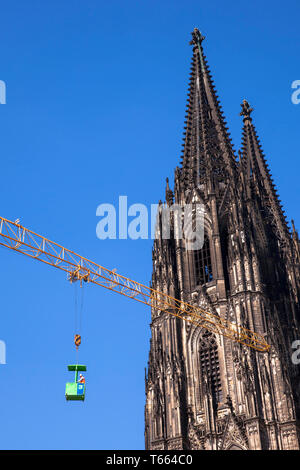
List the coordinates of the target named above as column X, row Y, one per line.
column 203, row 390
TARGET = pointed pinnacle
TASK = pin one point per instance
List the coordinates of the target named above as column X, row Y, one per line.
column 169, row 193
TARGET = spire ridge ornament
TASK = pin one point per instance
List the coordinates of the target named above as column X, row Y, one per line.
column 197, row 37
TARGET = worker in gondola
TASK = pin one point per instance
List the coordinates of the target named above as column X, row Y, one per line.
column 81, row 379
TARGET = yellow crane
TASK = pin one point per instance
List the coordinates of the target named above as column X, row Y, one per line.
column 22, row 240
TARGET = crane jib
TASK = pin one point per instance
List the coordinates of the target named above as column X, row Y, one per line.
column 79, row 268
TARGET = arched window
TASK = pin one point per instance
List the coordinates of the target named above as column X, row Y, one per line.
column 202, row 263
column 210, row 366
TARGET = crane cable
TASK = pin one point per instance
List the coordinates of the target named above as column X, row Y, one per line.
column 77, row 337
column 81, row 305
column 78, row 317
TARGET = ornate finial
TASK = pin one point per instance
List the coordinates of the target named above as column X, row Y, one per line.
column 246, row 110
column 169, row 194
column 197, row 37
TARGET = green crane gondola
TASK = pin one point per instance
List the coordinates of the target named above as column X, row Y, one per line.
column 75, row 390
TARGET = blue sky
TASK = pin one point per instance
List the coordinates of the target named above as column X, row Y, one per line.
column 96, row 94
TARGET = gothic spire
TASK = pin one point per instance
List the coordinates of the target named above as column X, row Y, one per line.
column 207, row 151
column 257, row 175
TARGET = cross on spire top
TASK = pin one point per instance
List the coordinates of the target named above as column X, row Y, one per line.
column 197, row 37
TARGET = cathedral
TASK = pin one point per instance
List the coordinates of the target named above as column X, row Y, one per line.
column 205, row 391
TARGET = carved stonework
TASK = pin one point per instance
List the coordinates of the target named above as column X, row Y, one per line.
column 195, row 443
column 233, row 437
